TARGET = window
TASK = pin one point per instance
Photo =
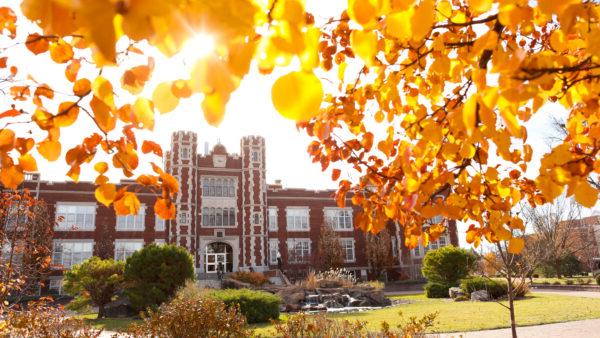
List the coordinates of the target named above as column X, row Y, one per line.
column 75, row 216
column 183, row 217
column 159, row 223
column 272, row 219
column 348, row 249
column 436, row 220
column 160, row 241
column 218, row 187
column 56, row 286
column 298, row 250
column 273, row 250
column 256, row 218
column 255, row 155
column 297, row 219
column 124, row 249
column 185, row 153
column 394, row 247
column 17, row 216
column 421, row 251
column 217, row 217
column 339, row 219
column 132, row 222
column 68, row 253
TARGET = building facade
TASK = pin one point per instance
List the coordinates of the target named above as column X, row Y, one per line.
column 226, row 214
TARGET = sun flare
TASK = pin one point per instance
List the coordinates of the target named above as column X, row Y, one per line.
column 197, row 47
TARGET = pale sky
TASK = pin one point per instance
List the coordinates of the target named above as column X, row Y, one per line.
column 249, row 112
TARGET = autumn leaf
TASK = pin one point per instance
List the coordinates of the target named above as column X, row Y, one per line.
column 164, row 208
column 11, row 177
column 37, row 44
column 126, row 203
column 82, row 87
column 585, row 194
column 163, row 98
column 106, row 193
column 60, row 51
column 27, row 163
column 297, row 95
column 149, row 146
column 49, row 149
column 516, row 245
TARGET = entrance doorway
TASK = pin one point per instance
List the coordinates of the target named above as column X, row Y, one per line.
column 218, row 253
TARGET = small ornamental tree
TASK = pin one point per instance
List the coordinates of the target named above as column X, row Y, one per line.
column 448, row 265
column 330, row 254
column 379, row 252
column 154, row 273
column 95, row 281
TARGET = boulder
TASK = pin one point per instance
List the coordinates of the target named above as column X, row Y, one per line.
column 332, row 304
column 119, row 308
column 480, row 296
column 377, row 298
column 455, row 292
column 229, row 283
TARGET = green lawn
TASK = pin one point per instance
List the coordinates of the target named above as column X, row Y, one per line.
column 453, row 316
column 110, row 324
column 576, row 280
column 472, row 316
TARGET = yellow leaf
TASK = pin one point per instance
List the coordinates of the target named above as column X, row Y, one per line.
column 106, row 193
column 163, row 98
column 61, row 51
column 516, row 245
column 364, row 12
column 143, row 113
column 480, row 6
column 297, row 95
column 103, row 114
column 101, row 167
column 423, row 19
column 398, row 24
column 67, row 114
column 585, row 194
column 27, row 162
column 127, row 204
column 96, row 16
column 469, row 114
column 49, row 149
column 103, row 90
column 82, row 87
column 213, row 107
column 364, row 44
column 513, row 126
column 11, row 177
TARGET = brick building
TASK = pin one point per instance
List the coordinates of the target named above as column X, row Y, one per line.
column 226, row 213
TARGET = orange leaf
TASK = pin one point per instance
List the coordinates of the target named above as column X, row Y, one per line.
column 164, row 208
column 82, row 87
column 101, row 167
column 335, row 174
column 11, row 177
column 143, row 113
column 27, row 162
column 50, row 150
column 516, row 245
column 127, row 204
column 72, row 70
column 36, row 43
column 7, row 140
column 106, row 193
column 61, row 52
column 149, row 146
column 67, row 114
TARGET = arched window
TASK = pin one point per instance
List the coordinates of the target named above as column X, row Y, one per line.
column 232, row 188
column 219, row 217
column 219, row 188
column 225, row 217
column 205, row 216
column 211, row 215
column 211, row 187
column 205, row 187
column 233, row 216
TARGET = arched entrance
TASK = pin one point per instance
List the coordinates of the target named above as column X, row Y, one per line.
column 218, row 253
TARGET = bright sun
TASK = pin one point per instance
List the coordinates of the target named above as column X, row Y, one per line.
column 198, row 46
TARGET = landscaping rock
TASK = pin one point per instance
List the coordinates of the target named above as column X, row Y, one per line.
column 455, row 292
column 480, row 296
column 229, row 283
column 119, row 308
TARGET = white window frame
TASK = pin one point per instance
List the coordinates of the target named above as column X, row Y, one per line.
column 257, row 216
column 337, row 221
column 291, row 247
column 272, row 214
column 186, row 152
column 65, row 226
column 208, row 217
column 121, row 254
column 273, row 250
column 254, row 155
column 160, row 241
column 227, row 187
column 58, row 289
column 159, row 223
column 123, row 221
column 84, row 254
column 183, row 217
column 343, row 243
column 293, row 225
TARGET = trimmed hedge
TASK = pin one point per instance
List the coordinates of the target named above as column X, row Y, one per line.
column 257, row 306
column 437, row 290
column 495, row 288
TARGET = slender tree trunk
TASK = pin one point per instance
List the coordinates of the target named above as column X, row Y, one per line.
column 557, row 268
column 101, row 311
column 511, row 306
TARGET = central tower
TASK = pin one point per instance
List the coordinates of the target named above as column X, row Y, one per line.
column 254, row 203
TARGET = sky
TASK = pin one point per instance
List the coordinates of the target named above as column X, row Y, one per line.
column 249, row 112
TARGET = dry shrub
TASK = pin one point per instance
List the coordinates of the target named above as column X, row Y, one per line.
column 304, row 325
column 311, row 281
column 253, row 278
column 41, row 321
column 192, row 317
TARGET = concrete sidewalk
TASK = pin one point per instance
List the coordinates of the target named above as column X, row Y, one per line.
column 589, row 328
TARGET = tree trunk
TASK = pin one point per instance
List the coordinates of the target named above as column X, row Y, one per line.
column 101, row 311
column 557, row 268
column 511, row 307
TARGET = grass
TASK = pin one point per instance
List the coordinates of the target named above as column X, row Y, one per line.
column 473, row 316
column 452, row 316
column 109, row 324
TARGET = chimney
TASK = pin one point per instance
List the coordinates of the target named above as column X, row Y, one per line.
column 205, row 148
